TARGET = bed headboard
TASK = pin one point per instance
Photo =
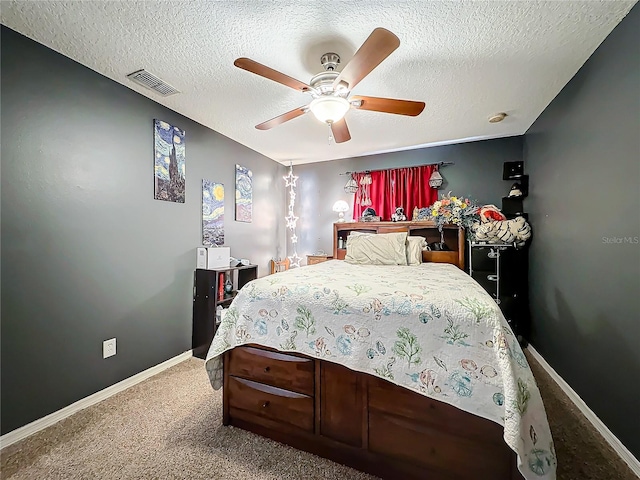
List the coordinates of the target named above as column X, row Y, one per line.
column 453, row 238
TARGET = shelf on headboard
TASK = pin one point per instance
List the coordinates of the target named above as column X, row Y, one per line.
column 453, row 237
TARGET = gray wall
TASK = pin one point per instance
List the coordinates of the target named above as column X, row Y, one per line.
column 477, row 173
column 87, row 253
column 583, row 154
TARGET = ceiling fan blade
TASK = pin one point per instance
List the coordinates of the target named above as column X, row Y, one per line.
column 267, row 72
column 380, row 44
column 340, row 131
column 388, row 105
column 285, row 117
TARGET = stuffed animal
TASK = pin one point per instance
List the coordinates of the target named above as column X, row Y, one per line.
column 516, row 190
column 399, row 215
column 516, row 231
column 369, row 215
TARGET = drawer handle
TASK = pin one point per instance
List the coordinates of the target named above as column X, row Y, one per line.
column 265, row 404
column 267, row 369
column 493, row 278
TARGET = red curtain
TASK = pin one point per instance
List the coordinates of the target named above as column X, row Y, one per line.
column 400, row 187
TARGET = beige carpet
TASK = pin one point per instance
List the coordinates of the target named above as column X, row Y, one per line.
column 167, row 427
column 583, row 454
column 170, row 427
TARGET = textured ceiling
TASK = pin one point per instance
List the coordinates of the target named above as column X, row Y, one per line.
column 466, row 60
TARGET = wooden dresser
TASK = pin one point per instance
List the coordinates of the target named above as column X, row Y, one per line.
column 313, row 259
column 359, row 420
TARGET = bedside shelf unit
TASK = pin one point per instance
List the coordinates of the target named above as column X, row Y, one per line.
column 206, row 299
column 453, row 238
column 502, row 270
column 513, row 207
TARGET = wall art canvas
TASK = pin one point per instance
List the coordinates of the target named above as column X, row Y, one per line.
column 244, row 194
column 169, row 153
column 212, row 213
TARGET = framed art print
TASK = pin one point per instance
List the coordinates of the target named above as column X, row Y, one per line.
column 212, row 213
column 244, row 194
column 169, row 162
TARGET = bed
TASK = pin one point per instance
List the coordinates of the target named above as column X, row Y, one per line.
column 402, row 371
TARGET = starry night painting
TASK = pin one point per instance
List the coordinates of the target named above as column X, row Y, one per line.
column 169, row 152
column 212, row 213
column 244, row 194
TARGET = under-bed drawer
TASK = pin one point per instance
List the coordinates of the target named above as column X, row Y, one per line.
column 252, row 399
column 274, row 368
column 423, row 444
column 386, row 397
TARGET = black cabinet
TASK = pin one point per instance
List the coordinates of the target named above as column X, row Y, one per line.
column 502, row 270
column 208, row 294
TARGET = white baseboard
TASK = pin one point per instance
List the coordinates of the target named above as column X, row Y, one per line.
column 44, row 422
column 611, row 439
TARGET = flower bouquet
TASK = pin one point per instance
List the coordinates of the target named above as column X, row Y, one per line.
column 450, row 209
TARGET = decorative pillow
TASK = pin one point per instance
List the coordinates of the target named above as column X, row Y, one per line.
column 414, row 250
column 381, row 249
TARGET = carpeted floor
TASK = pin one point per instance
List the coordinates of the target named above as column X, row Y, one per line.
column 170, row 427
column 582, row 453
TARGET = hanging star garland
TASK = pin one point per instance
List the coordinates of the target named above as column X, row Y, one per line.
column 294, row 259
column 291, row 219
column 290, row 180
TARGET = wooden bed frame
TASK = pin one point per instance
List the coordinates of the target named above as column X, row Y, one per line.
column 357, row 419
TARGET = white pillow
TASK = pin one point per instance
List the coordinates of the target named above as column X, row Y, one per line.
column 381, row 249
column 414, row 250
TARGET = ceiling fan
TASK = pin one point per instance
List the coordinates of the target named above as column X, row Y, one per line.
column 330, row 89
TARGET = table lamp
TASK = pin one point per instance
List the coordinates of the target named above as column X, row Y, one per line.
column 340, row 206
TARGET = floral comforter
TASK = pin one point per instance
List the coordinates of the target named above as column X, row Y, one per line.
column 429, row 328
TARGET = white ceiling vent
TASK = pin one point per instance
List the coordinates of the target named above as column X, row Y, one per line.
column 149, row 80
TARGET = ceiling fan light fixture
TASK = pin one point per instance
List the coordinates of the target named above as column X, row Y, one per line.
column 330, row 89
column 329, row 109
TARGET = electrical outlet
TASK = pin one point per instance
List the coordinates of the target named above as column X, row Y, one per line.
column 109, row 348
